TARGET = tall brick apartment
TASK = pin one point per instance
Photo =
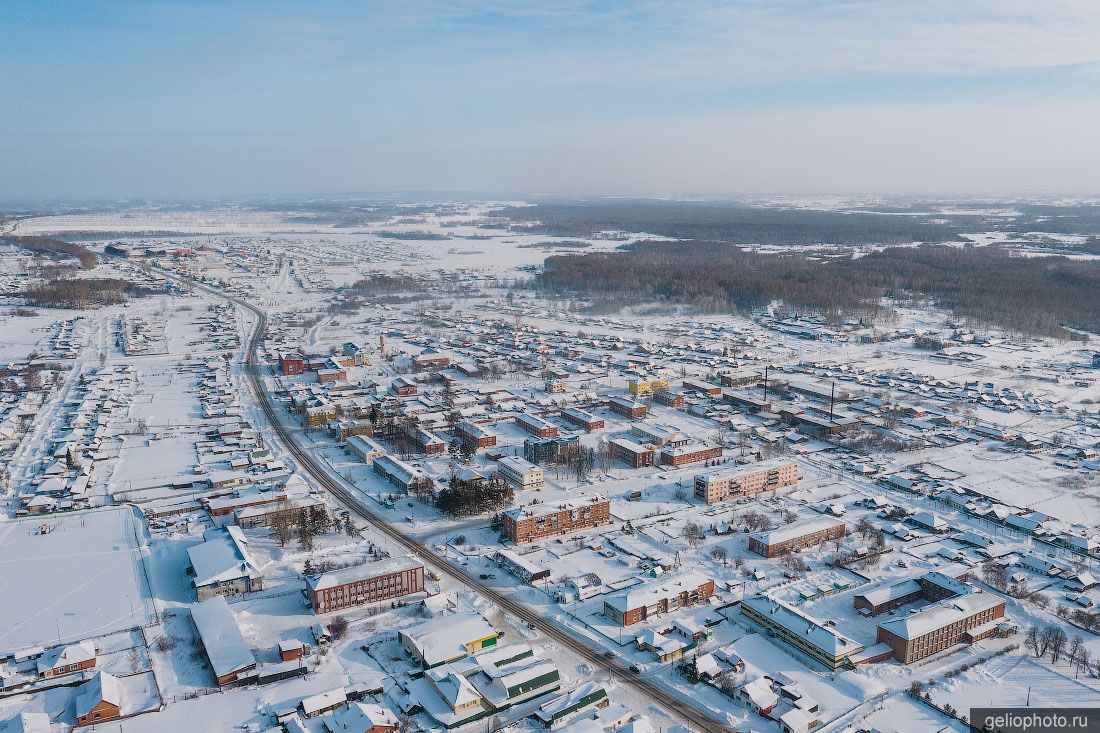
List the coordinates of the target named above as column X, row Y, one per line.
column 742, row 481
column 539, row 521
column 360, row 585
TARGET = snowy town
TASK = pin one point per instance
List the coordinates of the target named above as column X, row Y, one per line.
column 304, row 478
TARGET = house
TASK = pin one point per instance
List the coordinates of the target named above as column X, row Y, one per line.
column 98, row 699
column 1080, row 582
column 223, row 565
column 590, row 696
column 67, row 659
column 448, row 639
column 323, row 702
column 361, row 717
column 758, row 696
column 221, row 639
column 929, row 521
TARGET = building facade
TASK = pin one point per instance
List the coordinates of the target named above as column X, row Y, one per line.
column 361, row 585
column 539, row 521
column 743, row 481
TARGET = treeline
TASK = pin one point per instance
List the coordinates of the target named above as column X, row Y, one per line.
column 54, row 247
column 1042, row 296
column 712, row 278
column 83, row 292
column 728, row 222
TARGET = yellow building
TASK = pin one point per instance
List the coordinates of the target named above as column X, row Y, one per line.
column 646, row 386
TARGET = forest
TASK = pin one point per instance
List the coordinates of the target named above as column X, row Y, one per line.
column 1042, row 296
column 82, row 292
column 730, row 222
column 55, row 247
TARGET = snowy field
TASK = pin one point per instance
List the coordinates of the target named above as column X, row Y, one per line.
column 80, row 580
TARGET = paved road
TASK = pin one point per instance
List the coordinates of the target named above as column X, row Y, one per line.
column 702, row 720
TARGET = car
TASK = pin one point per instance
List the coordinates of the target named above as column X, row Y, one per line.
column 635, row 669
column 483, row 576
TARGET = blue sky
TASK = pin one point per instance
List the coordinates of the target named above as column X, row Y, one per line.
column 176, row 99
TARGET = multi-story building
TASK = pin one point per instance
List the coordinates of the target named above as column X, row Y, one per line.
column 658, row 597
column 744, row 378
column 704, row 388
column 291, row 364
column 748, row 480
column 934, row 586
column 631, row 453
column 542, row 450
column 628, row 408
column 796, row 536
column 809, row 636
column 658, row 435
column 367, row 449
column 669, row 398
column 474, row 435
column 582, row 419
column 539, row 521
column 681, row 455
column 639, row 387
column 427, row 441
column 536, row 426
column 520, row 473
column 961, row 619
column 361, row 585
column 399, row 473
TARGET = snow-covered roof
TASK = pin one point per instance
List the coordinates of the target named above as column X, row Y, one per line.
column 830, row 641
column 650, row 593
column 63, row 656
column 794, row 531
column 541, row 510
column 221, row 637
column 359, row 717
column 382, row 567
column 222, row 557
column 444, row 638
column 103, row 687
column 939, row 615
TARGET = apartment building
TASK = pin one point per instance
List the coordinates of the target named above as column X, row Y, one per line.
column 682, row 455
column 520, row 473
column 659, row 597
column 794, row 537
column 539, row 521
column 740, row 481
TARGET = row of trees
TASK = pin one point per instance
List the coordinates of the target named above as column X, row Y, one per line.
column 82, row 292
column 54, row 247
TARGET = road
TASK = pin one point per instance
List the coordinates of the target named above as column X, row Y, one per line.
column 689, row 714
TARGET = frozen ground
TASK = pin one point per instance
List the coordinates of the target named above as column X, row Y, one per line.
column 81, row 579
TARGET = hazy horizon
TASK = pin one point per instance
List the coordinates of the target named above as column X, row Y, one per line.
column 196, row 100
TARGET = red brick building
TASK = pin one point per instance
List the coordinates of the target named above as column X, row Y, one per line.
column 291, row 364
column 627, row 408
column 474, row 435
column 656, row 598
column 631, row 453
column 794, row 537
column 582, row 419
column 536, row 426
column 960, row 620
column 360, row 585
column 681, row 455
column 539, row 521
